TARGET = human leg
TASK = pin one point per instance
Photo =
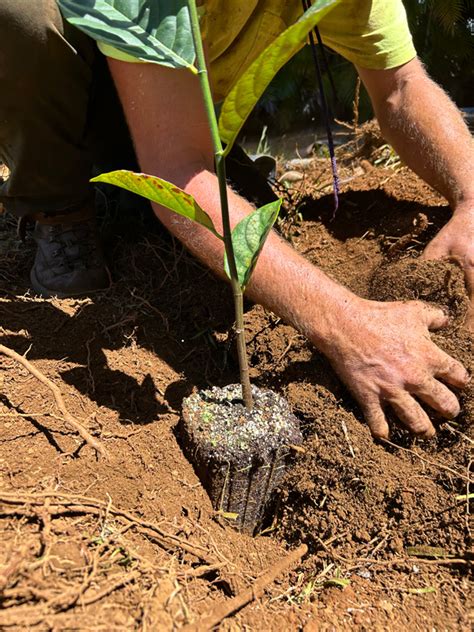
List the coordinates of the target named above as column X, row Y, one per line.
column 46, row 72
column 45, row 76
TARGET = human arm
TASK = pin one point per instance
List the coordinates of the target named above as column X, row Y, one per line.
column 382, row 351
column 423, row 125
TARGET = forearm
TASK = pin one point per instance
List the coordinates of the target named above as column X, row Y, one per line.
column 282, row 281
column 169, row 127
column 366, row 342
column 378, row 349
column 426, row 129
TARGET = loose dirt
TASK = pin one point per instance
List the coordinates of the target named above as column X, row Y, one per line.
column 131, row 542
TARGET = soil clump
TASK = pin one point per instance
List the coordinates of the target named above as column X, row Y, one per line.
column 437, row 282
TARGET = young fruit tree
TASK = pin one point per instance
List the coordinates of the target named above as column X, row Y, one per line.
column 171, row 36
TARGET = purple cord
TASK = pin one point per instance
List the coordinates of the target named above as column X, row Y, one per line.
column 325, row 108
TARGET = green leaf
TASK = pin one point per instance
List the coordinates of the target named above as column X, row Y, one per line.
column 248, row 238
column 422, row 591
column 157, row 31
column 251, row 85
column 160, row 191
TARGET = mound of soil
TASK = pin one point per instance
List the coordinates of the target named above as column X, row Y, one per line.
column 439, row 283
column 132, row 542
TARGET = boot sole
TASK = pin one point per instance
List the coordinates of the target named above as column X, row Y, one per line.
column 44, row 292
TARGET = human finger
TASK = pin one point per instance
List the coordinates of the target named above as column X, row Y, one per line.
column 412, row 415
column 469, row 276
column 376, row 420
column 436, row 249
column 439, row 397
column 451, row 371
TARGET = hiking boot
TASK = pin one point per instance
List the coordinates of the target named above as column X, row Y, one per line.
column 69, row 260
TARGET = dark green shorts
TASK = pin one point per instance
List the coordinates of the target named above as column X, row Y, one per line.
column 59, row 112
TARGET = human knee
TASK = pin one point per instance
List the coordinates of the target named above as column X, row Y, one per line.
column 24, row 26
column 35, row 43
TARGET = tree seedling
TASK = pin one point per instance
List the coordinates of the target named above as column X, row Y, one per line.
column 240, row 458
column 172, row 37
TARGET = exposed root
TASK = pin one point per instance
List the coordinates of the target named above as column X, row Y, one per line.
column 29, row 616
column 430, row 461
column 420, row 224
column 107, row 562
column 76, row 425
column 62, row 504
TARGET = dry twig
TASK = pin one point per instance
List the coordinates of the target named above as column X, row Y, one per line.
column 72, row 503
column 426, row 460
column 28, row 616
column 78, row 427
column 420, row 224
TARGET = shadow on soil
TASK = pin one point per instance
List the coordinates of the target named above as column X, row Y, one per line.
column 374, row 211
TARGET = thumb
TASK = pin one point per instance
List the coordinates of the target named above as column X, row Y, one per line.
column 436, row 249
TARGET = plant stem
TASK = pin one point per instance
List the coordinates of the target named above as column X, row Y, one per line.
column 221, row 176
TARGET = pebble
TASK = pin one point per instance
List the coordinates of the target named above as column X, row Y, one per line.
column 396, row 545
column 291, row 176
column 299, row 163
column 362, row 535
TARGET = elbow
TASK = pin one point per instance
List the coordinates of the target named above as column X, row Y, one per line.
column 390, row 103
column 180, row 170
column 392, row 91
column 388, row 111
column 184, row 173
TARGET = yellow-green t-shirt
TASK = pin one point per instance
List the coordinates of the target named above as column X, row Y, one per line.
column 370, row 33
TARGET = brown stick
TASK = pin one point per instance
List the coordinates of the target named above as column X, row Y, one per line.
column 420, row 224
column 6, row 572
column 110, row 588
column 223, row 610
column 201, row 570
column 78, row 427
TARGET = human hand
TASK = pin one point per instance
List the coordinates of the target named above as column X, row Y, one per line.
column 455, row 241
column 384, row 354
